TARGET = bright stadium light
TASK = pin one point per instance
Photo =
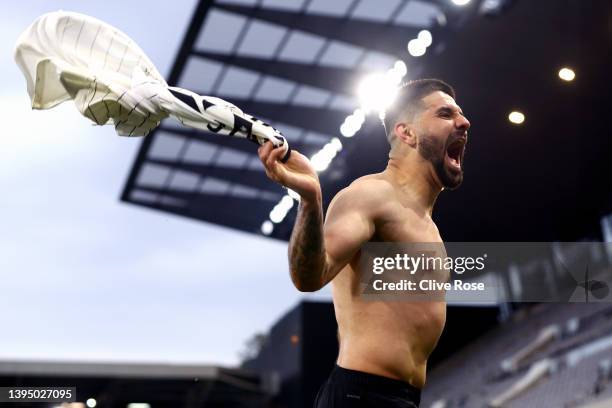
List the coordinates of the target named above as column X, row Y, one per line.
column 354, row 122
column 138, row 405
column 400, row 67
column 460, row 2
column 329, row 150
column 393, row 76
column 293, row 194
column 320, row 161
column 346, row 130
column 516, row 117
column 425, row 37
column 286, row 202
column 267, row 227
column 336, row 143
column 416, row 48
column 91, row 403
column 567, row 74
column 359, row 115
column 277, row 215
column 376, row 92
column 280, row 211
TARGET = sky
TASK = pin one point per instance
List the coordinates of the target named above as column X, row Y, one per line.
column 86, row 277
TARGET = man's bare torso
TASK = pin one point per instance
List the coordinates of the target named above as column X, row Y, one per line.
column 388, row 338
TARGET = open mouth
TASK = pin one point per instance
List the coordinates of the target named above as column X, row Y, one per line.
column 454, row 153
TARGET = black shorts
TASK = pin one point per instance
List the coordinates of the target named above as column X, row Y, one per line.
column 350, row 388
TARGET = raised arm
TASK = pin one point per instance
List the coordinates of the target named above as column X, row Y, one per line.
column 318, row 250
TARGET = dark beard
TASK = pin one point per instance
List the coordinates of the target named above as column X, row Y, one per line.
column 434, row 151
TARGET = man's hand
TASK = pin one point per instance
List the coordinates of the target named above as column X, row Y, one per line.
column 296, row 174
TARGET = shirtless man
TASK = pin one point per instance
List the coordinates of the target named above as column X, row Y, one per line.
column 384, row 346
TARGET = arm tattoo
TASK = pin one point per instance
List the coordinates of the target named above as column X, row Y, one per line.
column 307, row 248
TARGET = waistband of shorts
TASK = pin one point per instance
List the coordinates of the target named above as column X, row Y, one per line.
column 375, row 381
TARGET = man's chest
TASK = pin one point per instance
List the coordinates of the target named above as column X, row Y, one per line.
column 399, row 224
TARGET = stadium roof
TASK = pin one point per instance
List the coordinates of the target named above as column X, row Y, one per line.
column 296, row 64
column 62, row 368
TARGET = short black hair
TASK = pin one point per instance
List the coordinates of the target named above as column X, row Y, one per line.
column 409, row 100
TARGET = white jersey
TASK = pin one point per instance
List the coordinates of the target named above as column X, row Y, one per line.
column 65, row 55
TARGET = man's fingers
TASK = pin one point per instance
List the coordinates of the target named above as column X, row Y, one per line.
column 274, row 158
column 262, row 149
column 266, row 152
column 271, row 160
column 278, row 152
column 267, row 160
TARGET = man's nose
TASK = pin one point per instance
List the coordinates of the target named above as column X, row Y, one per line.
column 462, row 123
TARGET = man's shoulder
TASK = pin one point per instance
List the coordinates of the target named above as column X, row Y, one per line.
column 369, row 190
column 373, row 185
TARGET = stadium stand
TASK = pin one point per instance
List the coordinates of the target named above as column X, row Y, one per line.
column 547, row 355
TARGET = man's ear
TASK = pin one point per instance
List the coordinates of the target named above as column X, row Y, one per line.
column 405, row 132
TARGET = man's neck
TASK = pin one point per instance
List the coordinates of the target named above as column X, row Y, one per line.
column 415, row 180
